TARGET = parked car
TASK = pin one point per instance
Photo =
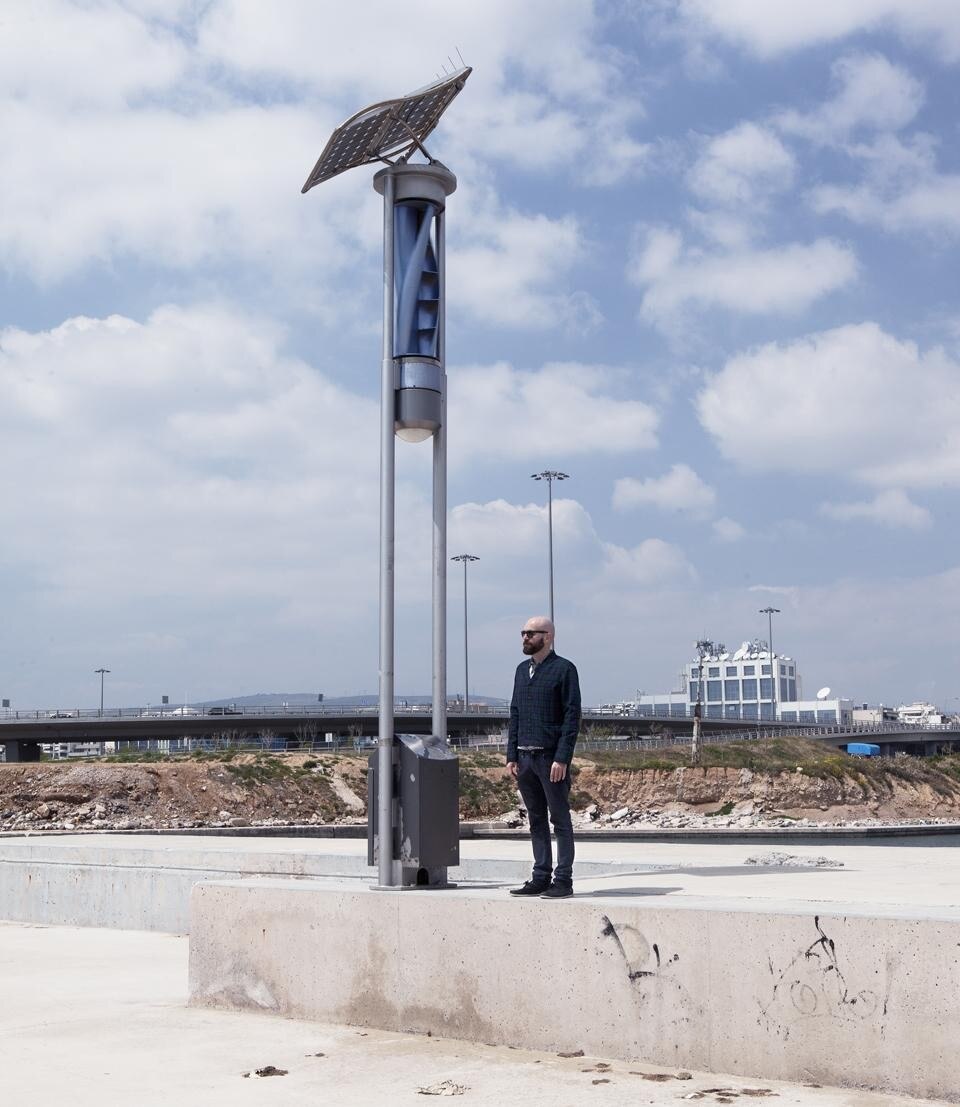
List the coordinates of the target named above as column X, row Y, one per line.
column 224, row 711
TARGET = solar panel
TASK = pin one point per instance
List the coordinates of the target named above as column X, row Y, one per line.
column 392, row 127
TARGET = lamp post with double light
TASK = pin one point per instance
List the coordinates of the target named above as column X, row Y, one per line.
column 466, row 559
column 770, row 612
column 550, row 475
column 102, row 673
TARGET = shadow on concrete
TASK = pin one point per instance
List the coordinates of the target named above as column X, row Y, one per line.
column 626, row 892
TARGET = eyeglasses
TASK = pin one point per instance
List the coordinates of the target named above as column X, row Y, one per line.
column 531, row 633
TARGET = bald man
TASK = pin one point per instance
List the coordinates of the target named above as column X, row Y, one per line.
column 544, row 724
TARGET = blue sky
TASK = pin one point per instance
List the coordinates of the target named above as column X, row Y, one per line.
column 702, row 257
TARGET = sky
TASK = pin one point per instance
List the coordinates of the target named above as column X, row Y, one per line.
column 702, row 257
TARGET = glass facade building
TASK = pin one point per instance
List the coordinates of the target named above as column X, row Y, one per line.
column 741, row 685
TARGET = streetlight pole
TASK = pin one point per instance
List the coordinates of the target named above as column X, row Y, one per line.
column 466, row 559
column 550, row 475
column 770, row 612
column 102, row 672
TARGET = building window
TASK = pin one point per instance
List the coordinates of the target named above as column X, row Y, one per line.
column 714, row 670
column 713, row 689
column 766, row 711
column 661, row 709
column 679, row 710
column 766, row 688
column 788, row 716
column 715, row 711
column 808, row 716
column 827, row 717
column 731, row 689
column 785, row 689
column 783, row 670
column 791, row 673
column 793, row 690
column 749, row 670
column 645, row 709
column 749, row 710
column 750, row 689
column 731, row 711
column 764, row 670
column 694, row 689
column 731, row 670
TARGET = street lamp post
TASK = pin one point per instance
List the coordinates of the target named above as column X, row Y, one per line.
column 412, row 386
column 550, row 475
column 704, row 647
column 102, row 673
column 770, row 612
column 466, row 559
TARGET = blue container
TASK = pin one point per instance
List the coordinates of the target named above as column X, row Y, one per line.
column 863, row 749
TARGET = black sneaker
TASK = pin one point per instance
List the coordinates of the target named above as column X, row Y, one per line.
column 531, row 888
column 557, row 891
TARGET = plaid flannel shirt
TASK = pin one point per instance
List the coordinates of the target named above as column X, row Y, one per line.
column 545, row 708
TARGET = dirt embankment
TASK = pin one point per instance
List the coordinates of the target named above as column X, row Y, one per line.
column 302, row 789
column 740, row 794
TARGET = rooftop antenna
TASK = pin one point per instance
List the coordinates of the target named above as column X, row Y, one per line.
column 412, row 407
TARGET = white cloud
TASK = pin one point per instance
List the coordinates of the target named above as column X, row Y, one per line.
column 506, row 268
column 728, row 530
column 930, row 205
column 769, row 29
column 892, row 508
column 502, row 530
column 651, row 562
column 854, row 400
column 498, row 411
column 188, row 149
column 175, row 452
column 76, row 55
column 680, row 489
column 874, row 93
column 742, row 166
column 783, row 280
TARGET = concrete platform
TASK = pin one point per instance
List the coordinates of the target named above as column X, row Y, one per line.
column 788, row 994
column 750, row 941
column 93, row 1018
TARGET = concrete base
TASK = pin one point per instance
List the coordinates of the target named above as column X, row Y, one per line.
column 839, row 998
column 131, row 883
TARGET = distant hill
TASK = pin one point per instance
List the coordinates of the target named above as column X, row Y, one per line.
column 278, row 699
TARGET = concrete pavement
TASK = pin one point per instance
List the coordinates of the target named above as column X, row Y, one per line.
column 98, row 1018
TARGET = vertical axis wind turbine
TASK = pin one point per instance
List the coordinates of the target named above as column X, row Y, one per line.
column 412, row 384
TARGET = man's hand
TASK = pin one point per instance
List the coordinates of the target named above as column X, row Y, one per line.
column 557, row 772
column 512, row 768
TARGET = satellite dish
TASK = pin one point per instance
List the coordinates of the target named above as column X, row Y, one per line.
column 823, row 693
column 738, row 656
column 724, row 657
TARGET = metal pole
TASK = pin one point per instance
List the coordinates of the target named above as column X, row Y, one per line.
column 440, row 579
column 440, row 513
column 466, row 646
column 465, row 558
column 770, row 612
column 387, row 526
column 101, row 671
column 550, row 538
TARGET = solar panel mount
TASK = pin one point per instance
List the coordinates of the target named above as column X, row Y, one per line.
column 389, row 131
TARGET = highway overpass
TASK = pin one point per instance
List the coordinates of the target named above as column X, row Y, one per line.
column 22, row 733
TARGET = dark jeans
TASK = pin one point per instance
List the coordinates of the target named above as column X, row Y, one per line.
column 540, row 796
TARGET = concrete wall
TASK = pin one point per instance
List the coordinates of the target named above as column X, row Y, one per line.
column 131, row 887
column 844, row 1000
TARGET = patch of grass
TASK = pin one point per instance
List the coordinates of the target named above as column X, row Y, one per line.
column 726, row 809
column 128, row 757
column 311, row 764
column 263, row 769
